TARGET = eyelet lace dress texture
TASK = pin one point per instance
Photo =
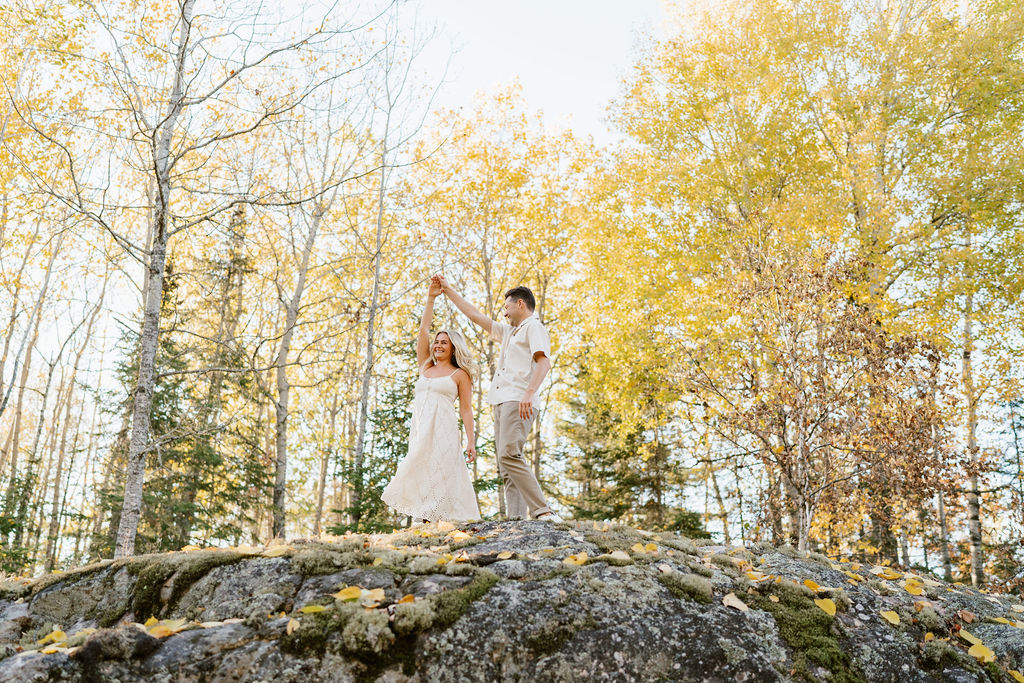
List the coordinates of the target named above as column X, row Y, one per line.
column 432, row 481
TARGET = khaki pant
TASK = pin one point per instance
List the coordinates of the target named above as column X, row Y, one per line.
column 523, row 497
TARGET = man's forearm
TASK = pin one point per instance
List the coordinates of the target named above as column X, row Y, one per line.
column 540, row 371
column 468, row 309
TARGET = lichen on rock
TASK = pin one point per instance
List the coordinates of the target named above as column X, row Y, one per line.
column 495, row 601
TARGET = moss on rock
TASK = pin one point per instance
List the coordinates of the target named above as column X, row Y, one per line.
column 154, row 572
column 450, row 605
column 690, row 586
column 808, row 631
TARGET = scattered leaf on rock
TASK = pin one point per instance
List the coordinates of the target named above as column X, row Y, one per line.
column 277, row 551
column 459, row 536
column 312, row 609
column 349, row 593
column 969, row 637
column 812, row 584
column 505, row 555
column 773, row 598
column 160, row 631
column 891, row 617
column 292, row 625
column 620, row 555
column 54, row 636
column 1017, row 676
column 968, row 617
column 886, row 572
column 929, row 637
column 827, row 605
column 378, row 561
column 407, row 598
column 982, row 653
column 149, row 622
column 578, row 559
column 731, row 600
column 913, row 588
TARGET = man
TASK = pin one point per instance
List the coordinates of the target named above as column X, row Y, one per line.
column 523, row 363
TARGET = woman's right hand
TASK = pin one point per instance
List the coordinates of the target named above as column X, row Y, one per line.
column 434, row 287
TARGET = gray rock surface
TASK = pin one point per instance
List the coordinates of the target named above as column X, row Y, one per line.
column 506, row 601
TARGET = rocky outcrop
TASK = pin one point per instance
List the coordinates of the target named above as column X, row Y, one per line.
column 503, row 601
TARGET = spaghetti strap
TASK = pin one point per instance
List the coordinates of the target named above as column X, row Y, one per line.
column 453, row 374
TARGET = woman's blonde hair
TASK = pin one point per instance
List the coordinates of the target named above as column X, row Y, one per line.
column 461, row 357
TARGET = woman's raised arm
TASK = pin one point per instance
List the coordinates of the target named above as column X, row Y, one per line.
column 423, row 337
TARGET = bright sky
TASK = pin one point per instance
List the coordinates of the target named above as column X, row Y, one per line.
column 569, row 55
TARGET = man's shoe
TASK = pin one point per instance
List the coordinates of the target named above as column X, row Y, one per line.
column 549, row 517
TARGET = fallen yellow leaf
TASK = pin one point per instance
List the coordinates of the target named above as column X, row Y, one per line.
column 277, row 551
column 1002, row 620
column 731, row 600
column 504, row 555
column 53, row 649
column 650, row 547
column 190, row 548
column 756, row 575
column 375, row 595
column 637, row 547
column 891, row 617
column 1017, row 676
column 827, row 605
column 407, row 598
column 149, row 622
column 312, row 609
column 160, row 631
column 459, row 536
column 913, row 588
column 291, row 626
column 813, row 585
column 620, row 555
column 773, row 598
column 55, row 636
column 349, row 593
column 929, row 637
column 577, row 560
column 378, row 561
column 969, row 637
column 175, row 625
column 982, row 653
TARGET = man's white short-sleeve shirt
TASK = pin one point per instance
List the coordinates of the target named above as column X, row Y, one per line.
column 515, row 362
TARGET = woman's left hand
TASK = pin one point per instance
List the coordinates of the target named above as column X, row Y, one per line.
column 471, row 454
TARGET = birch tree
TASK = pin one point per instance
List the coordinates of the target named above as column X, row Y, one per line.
column 185, row 82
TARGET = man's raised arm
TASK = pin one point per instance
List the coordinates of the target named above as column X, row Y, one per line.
column 468, row 309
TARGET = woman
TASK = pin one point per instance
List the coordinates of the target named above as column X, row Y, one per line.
column 432, row 482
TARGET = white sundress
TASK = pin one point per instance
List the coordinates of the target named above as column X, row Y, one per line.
column 432, row 481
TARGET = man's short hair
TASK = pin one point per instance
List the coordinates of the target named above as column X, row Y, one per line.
column 523, row 294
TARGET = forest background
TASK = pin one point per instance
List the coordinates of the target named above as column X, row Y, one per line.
column 784, row 297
